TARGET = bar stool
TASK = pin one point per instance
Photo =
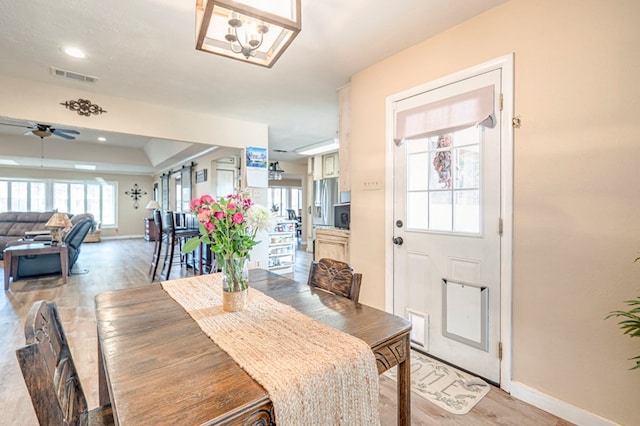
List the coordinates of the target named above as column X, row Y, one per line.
column 174, row 237
column 157, row 249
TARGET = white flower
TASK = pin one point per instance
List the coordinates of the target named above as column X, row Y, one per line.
column 259, row 217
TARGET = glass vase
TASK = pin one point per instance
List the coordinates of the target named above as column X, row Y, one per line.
column 235, row 283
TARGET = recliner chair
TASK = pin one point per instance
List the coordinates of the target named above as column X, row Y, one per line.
column 46, row 264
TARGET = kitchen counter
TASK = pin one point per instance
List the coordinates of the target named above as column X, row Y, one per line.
column 327, row 228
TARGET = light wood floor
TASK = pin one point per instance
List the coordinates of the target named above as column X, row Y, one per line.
column 120, row 264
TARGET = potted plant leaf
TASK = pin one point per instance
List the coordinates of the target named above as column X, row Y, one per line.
column 630, row 323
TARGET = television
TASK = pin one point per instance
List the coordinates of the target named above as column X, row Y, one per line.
column 342, row 215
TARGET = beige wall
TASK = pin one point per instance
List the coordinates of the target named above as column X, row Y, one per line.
column 35, row 101
column 130, row 221
column 576, row 227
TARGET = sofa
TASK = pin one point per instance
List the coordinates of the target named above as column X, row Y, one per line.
column 13, row 225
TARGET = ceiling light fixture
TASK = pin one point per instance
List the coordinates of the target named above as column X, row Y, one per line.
column 102, row 139
column 254, row 31
column 320, row 147
column 275, row 172
column 74, row 52
column 85, row 166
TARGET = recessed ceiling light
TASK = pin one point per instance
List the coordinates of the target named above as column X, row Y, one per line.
column 102, row 139
column 74, row 52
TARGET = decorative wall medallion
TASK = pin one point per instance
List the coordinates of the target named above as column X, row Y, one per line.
column 83, row 107
column 136, row 193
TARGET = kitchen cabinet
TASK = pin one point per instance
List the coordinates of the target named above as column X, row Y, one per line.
column 332, row 243
column 330, row 165
column 316, row 161
column 323, row 166
column 282, row 247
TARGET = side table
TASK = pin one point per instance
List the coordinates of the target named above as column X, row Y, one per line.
column 11, row 266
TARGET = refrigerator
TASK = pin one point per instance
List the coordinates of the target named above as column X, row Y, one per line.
column 325, row 195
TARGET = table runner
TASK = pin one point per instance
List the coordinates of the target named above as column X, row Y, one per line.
column 314, row 374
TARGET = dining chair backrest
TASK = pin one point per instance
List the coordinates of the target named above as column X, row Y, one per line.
column 169, row 223
column 49, row 371
column 157, row 221
column 336, row 277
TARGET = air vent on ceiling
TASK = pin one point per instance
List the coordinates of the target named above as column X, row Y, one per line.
column 73, row 75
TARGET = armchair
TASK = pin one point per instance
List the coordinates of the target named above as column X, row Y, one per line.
column 50, row 263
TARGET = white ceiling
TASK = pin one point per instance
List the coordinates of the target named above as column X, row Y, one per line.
column 144, row 50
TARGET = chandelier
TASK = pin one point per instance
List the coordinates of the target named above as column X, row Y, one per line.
column 275, row 172
column 254, row 31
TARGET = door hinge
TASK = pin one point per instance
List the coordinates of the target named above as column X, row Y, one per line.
column 500, row 102
column 500, row 226
column 500, row 351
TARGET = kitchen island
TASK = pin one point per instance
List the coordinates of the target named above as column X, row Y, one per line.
column 332, row 243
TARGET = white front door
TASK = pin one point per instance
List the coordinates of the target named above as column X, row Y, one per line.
column 447, row 213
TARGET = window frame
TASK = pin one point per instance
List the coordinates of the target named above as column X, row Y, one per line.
column 7, row 200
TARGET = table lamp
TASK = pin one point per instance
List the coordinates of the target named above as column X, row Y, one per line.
column 57, row 223
column 153, row 205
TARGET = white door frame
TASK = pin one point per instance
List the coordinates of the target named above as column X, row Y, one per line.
column 505, row 63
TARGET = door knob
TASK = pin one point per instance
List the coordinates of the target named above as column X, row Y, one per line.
column 398, row 241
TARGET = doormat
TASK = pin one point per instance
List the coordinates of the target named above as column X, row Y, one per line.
column 443, row 385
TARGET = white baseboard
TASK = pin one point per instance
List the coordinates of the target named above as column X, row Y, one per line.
column 557, row 407
column 122, row 237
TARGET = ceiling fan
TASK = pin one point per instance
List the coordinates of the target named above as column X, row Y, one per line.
column 46, row 130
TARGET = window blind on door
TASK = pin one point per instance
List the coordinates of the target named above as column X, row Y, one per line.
column 447, row 115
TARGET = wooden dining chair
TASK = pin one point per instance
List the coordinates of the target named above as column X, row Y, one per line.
column 336, row 277
column 50, row 374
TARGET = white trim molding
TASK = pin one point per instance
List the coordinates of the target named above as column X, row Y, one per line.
column 557, row 407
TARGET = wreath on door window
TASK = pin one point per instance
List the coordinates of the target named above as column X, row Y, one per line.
column 442, row 161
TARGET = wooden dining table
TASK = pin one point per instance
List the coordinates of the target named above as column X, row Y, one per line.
column 156, row 366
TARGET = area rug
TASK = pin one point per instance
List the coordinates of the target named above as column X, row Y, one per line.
column 443, row 385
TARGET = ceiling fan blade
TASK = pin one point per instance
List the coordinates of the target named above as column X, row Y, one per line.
column 17, row 125
column 73, row 132
column 63, row 135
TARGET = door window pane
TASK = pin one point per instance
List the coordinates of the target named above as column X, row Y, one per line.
column 440, row 209
column 443, row 182
column 417, row 210
column 467, row 211
column 467, row 167
column 417, row 173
